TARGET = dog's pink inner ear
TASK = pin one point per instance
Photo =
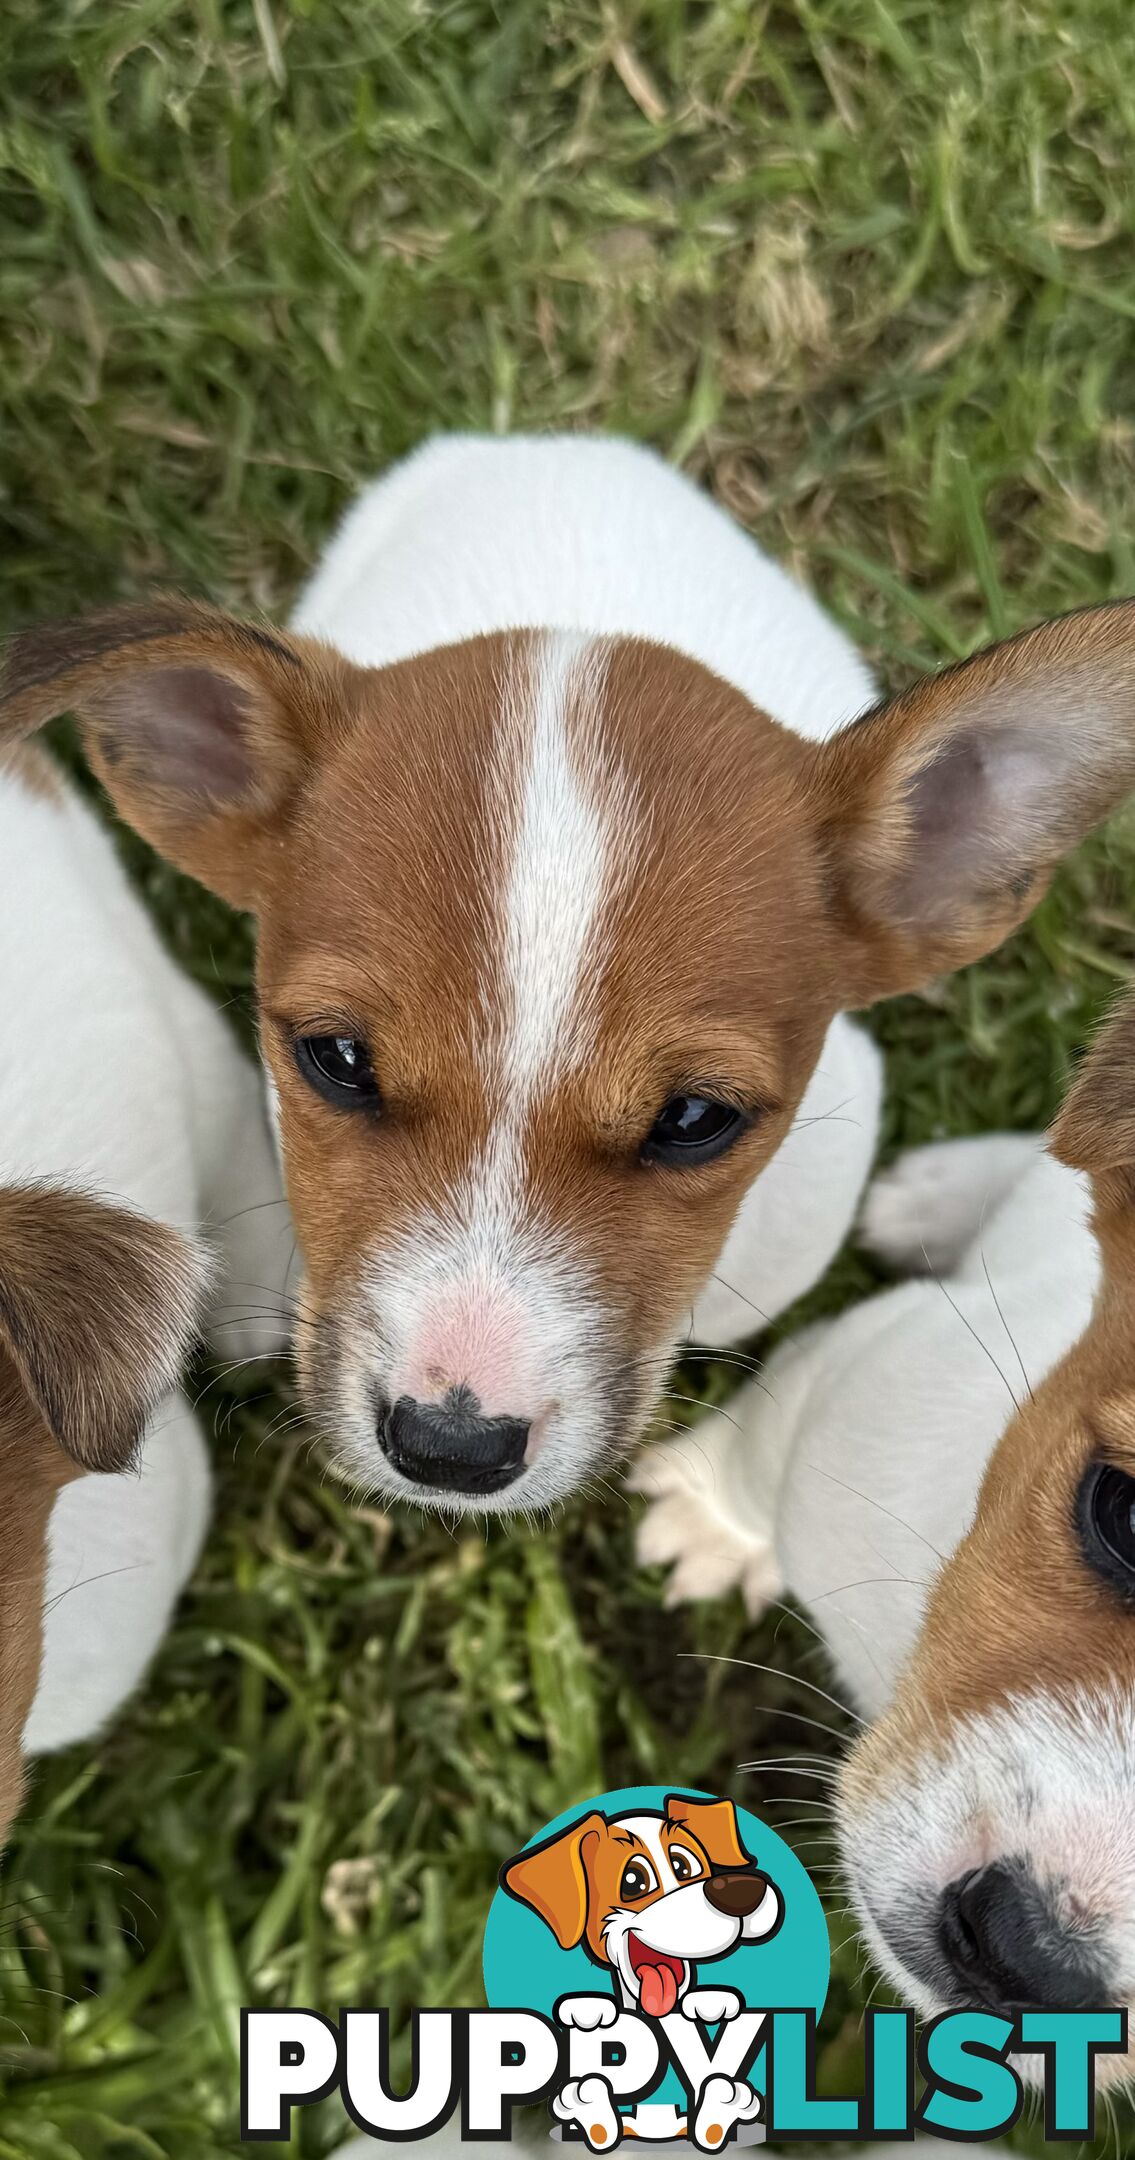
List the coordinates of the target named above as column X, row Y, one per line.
column 191, row 739
column 186, row 729
column 947, row 810
column 976, row 820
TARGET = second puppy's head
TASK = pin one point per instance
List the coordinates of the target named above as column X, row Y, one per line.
column 550, row 932
column 988, row 1819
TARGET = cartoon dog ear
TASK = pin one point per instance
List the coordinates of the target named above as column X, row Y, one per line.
column 98, row 1306
column 947, row 809
column 201, row 727
column 552, row 1878
column 714, row 1824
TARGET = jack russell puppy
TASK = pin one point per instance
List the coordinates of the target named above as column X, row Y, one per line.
column 974, row 1578
column 128, row 1119
column 572, row 830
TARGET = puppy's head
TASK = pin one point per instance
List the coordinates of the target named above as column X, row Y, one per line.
column 97, row 1309
column 650, row 1895
column 551, row 929
column 988, row 1820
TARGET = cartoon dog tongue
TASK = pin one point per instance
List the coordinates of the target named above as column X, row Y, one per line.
column 657, row 1988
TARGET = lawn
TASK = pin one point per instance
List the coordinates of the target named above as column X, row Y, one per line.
column 867, row 269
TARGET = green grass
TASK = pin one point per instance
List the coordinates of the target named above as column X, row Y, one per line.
column 866, row 268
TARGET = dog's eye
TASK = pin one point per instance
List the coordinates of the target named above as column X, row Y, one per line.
column 692, row 1129
column 338, row 1067
column 638, row 1880
column 683, row 1863
column 1105, row 1524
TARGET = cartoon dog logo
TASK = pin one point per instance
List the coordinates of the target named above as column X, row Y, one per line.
column 651, row 1897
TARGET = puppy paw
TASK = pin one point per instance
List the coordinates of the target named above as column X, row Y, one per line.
column 693, row 1526
column 724, row 2102
column 711, row 2006
column 921, row 1215
column 587, row 2102
column 587, row 2012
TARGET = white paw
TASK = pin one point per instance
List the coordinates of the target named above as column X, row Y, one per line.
column 724, row 2102
column 710, row 2006
column 588, row 2103
column 920, row 1216
column 587, row 2012
column 693, row 1525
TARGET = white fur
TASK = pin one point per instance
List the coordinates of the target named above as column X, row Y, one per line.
column 523, row 1298
column 1048, row 1780
column 592, row 538
column 850, row 1465
column 576, row 532
column 570, row 851
column 118, row 1074
column 919, row 1217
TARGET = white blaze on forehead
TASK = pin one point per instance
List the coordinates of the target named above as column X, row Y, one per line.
column 569, row 855
column 478, row 1292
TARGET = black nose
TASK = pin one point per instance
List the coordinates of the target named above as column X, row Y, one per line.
column 1004, row 1942
column 737, row 1895
column 450, row 1446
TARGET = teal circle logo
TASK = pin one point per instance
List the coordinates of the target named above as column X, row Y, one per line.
column 652, row 1896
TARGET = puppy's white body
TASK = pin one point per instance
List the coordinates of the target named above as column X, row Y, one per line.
column 120, row 1550
column 118, row 1075
column 595, row 537
column 849, row 1471
column 887, row 1418
column 474, row 534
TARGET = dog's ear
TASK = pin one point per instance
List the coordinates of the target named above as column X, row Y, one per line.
column 201, row 727
column 714, row 1824
column 552, row 1878
column 946, row 810
column 98, row 1306
column 1095, row 1129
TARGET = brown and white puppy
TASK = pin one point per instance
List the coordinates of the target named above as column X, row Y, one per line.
column 98, row 1527
column 562, row 879
column 1000, row 1782
column 947, row 1474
